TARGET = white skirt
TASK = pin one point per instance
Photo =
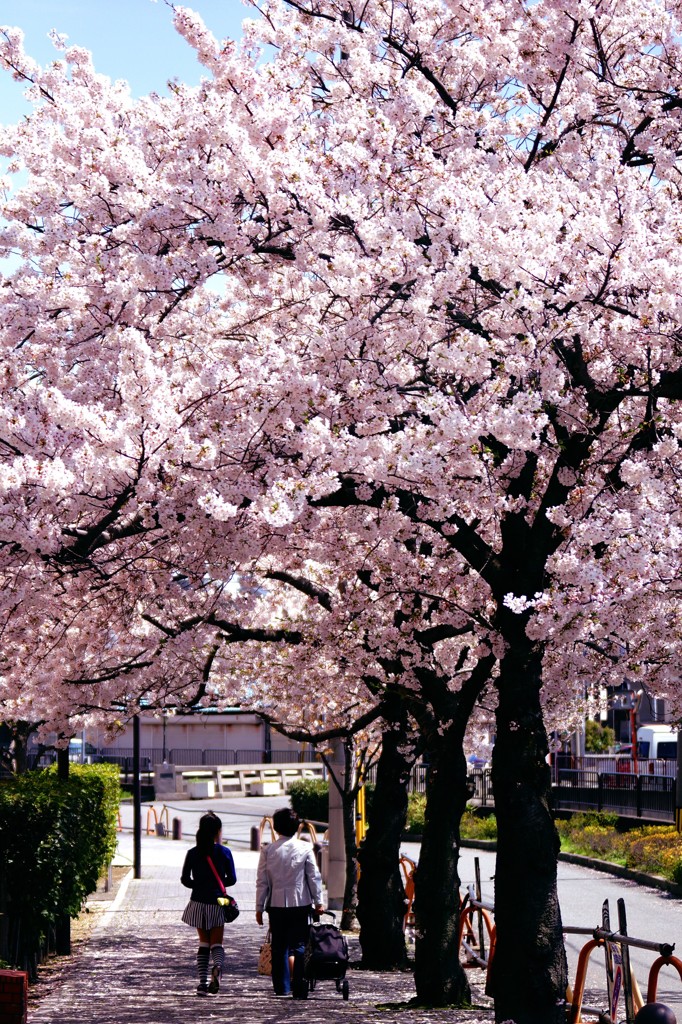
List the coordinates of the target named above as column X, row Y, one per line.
column 203, row 915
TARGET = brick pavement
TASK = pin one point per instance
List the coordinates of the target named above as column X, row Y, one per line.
column 138, row 965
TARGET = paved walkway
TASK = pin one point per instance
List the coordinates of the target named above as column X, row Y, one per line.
column 137, row 967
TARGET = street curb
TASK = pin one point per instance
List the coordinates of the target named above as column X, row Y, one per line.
column 630, row 875
column 112, row 907
column 653, row 881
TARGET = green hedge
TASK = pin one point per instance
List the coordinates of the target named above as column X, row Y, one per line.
column 55, row 839
column 310, row 799
column 416, row 806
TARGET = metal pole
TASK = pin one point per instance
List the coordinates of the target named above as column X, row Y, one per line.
column 267, row 743
column 336, row 874
column 481, row 936
column 627, row 973
column 137, row 800
column 678, row 786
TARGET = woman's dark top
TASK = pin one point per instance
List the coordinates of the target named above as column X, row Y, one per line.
column 197, row 874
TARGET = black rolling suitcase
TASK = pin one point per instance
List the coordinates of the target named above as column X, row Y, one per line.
column 325, row 959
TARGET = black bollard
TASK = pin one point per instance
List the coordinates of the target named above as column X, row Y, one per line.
column 655, row 1013
column 255, row 837
column 177, row 828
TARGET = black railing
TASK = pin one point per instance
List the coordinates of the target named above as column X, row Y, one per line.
column 481, row 787
column 633, row 796
column 150, row 756
column 587, row 788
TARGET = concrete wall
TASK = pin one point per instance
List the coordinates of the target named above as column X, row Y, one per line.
column 227, row 731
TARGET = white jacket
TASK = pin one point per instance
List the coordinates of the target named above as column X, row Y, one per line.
column 288, row 875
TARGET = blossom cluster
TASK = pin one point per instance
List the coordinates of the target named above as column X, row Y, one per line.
column 384, row 327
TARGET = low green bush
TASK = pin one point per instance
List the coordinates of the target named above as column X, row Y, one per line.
column 472, row 826
column 55, row 838
column 310, row 799
column 654, row 849
column 416, row 806
column 478, row 826
column 676, row 872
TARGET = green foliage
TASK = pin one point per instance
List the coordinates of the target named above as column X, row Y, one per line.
column 598, row 738
column 472, row 825
column 55, row 838
column 416, row 807
column 654, row 849
column 478, row 826
column 310, row 799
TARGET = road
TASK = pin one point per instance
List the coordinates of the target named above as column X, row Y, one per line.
column 651, row 914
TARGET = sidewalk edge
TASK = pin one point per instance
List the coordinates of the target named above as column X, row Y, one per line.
column 605, row 866
column 117, row 900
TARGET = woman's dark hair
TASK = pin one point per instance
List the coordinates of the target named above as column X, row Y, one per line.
column 286, row 821
column 207, row 833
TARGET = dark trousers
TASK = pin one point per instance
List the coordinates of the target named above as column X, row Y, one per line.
column 289, row 929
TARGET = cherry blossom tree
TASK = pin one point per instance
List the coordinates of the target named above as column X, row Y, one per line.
column 390, row 298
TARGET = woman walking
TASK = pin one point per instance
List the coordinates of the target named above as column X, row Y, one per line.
column 289, row 887
column 203, row 912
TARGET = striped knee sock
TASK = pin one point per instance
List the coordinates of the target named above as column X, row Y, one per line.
column 203, row 956
column 218, row 955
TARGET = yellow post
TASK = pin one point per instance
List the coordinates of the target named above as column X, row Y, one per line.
column 360, row 815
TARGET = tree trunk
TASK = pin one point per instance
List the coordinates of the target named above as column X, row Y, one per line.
column 63, row 764
column 381, row 896
column 439, row 977
column 529, row 972
column 21, row 733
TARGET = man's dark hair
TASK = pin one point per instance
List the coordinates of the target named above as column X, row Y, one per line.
column 286, row 821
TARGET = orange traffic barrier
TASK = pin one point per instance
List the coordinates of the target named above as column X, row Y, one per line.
column 580, row 976
column 265, row 821
column 576, row 996
column 162, row 819
column 408, row 868
column 305, row 826
column 662, row 961
column 466, row 916
column 152, row 811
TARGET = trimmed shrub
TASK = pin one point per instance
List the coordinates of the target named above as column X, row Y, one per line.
column 654, row 849
column 478, row 826
column 416, row 806
column 55, row 839
column 310, row 799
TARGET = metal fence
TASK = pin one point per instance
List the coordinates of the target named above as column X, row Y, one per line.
column 607, row 763
column 210, row 755
column 648, row 794
column 417, row 783
column 633, row 796
column 481, row 787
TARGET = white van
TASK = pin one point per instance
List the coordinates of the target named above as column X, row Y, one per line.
column 657, row 741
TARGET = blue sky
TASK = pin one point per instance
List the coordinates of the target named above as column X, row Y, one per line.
column 131, row 39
